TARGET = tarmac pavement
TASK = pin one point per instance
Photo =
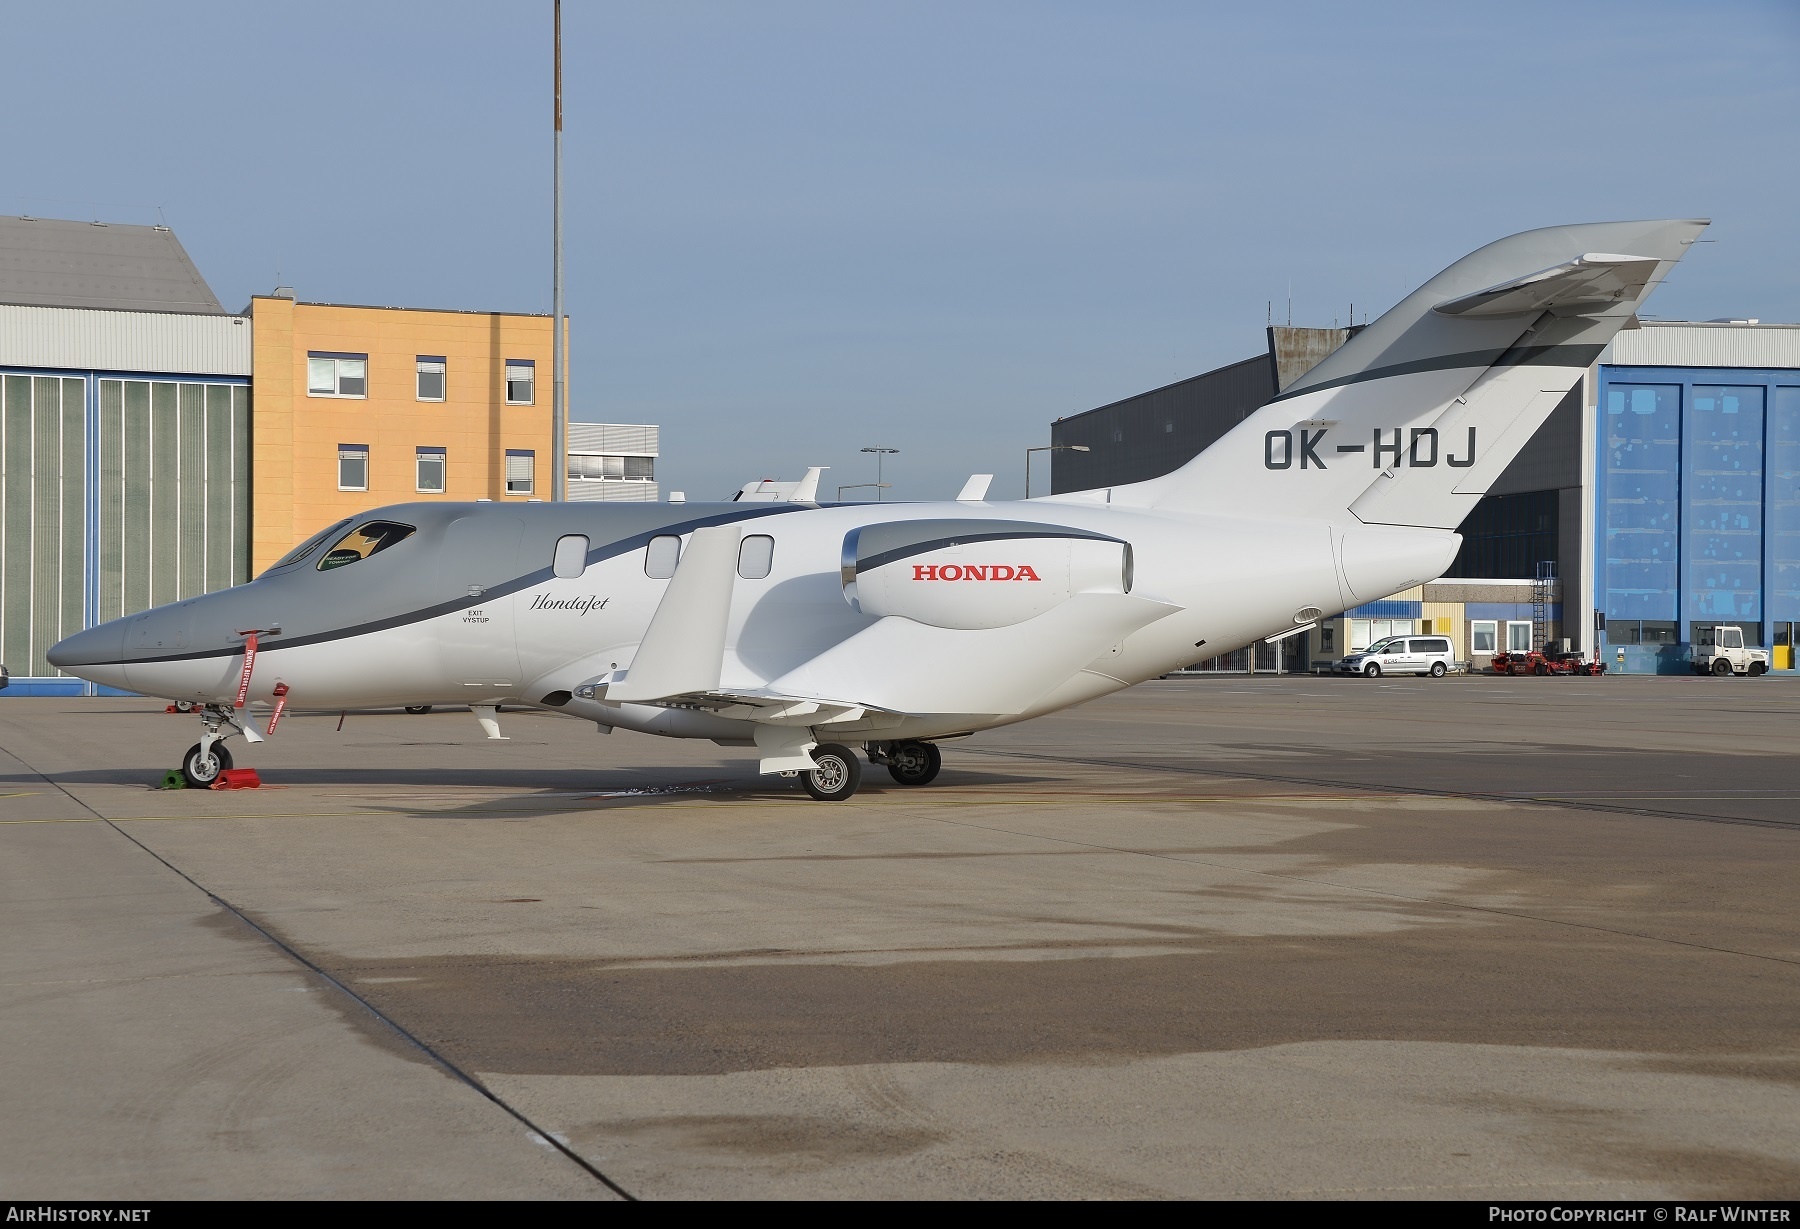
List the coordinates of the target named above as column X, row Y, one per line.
column 1299, row 937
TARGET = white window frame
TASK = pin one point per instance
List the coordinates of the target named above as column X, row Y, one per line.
column 347, row 452
column 520, row 454
column 1476, row 627
column 421, row 368
column 506, row 380
column 442, row 457
column 338, row 375
column 1525, row 625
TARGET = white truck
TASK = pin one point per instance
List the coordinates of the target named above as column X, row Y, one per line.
column 1720, row 650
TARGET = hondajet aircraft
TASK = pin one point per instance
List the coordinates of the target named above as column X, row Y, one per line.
column 811, row 631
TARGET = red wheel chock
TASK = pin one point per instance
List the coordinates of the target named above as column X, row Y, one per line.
column 238, row 778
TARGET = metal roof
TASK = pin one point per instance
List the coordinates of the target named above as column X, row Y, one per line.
column 45, row 262
column 1711, row 343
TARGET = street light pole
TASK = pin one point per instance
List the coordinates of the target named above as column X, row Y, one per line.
column 1048, row 448
column 559, row 387
column 880, row 453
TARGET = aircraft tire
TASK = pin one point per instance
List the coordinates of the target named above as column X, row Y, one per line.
column 836, row 773
column 1372, row 670
column 185, row 706
column 915, row 763
column 201, row 773
column 418, row 710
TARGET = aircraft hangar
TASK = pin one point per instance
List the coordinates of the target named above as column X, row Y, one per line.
column 1659, row 497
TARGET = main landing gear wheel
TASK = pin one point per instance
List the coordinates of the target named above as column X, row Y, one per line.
column 201, row 770
column 1372, row 670
column 1721, row 667
column 835, row 773
column 915, row 763
column 418, row 710
column 1437, row 669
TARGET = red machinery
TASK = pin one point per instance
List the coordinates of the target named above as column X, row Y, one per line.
column 1535, row 662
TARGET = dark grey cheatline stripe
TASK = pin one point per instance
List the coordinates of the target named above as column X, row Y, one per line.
column 607, row 550
column 1512, row 356
column 969, row 539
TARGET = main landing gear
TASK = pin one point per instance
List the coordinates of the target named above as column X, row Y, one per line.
column 836, row 771
column 206, row 759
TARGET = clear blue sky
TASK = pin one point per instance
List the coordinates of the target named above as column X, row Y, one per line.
column 798, row 228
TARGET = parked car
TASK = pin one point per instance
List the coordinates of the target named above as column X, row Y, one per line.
column 1431, row 655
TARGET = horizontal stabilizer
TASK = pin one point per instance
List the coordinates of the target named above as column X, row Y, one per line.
column 684, row 645
column 1585, row 286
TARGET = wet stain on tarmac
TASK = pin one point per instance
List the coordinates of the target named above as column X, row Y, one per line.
column 587, row 1017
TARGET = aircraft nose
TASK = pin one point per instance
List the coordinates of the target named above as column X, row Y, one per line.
column 97, row 646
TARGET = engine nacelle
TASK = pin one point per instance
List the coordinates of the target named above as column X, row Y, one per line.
column 977, row 574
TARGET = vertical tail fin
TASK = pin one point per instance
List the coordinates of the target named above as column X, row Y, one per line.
column 1413, row 419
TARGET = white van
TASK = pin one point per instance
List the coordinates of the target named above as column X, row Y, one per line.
column 1431, row 655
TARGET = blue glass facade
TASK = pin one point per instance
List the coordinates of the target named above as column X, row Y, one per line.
column 1698, row 520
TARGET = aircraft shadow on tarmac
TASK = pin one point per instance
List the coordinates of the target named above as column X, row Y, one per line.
column 537, row 786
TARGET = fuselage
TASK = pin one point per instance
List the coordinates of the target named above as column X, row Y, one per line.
column 468, row 608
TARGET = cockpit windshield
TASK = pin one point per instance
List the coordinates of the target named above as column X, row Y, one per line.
column 369, row 538
column 309, row 546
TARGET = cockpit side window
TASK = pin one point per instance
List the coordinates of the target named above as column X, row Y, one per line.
column 307, row 547
column 369, row 538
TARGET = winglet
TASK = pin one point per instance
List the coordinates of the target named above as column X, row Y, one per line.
column 975, row 489
column 684, row 646
column 806, row 491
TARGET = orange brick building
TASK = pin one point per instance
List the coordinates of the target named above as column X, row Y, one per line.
column 354, row 407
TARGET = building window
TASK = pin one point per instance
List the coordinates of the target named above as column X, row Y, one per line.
column 642, row 469
column 1722, row 496
column 1640, row 490
column 431, row 464
column 1481, row 635
column 521, row 470
column 521, row 381
column 431, row 377
column 1518, row 637
column 353, row 467
column 337, row 375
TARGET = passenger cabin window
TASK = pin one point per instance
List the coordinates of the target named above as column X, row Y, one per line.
column 367, row 539
column 570, row 559
column 661, row 556
column 756, row 556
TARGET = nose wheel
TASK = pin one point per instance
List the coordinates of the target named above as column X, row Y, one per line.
column 203, row 763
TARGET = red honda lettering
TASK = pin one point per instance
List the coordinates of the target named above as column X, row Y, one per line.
column 1003, row 572
column 1025, row 572
column 950, row 571
column 925, row 571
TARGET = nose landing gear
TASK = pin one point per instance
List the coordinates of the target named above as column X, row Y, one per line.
column 206, row 759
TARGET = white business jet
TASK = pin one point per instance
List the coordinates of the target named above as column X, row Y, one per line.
column 822, row 634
